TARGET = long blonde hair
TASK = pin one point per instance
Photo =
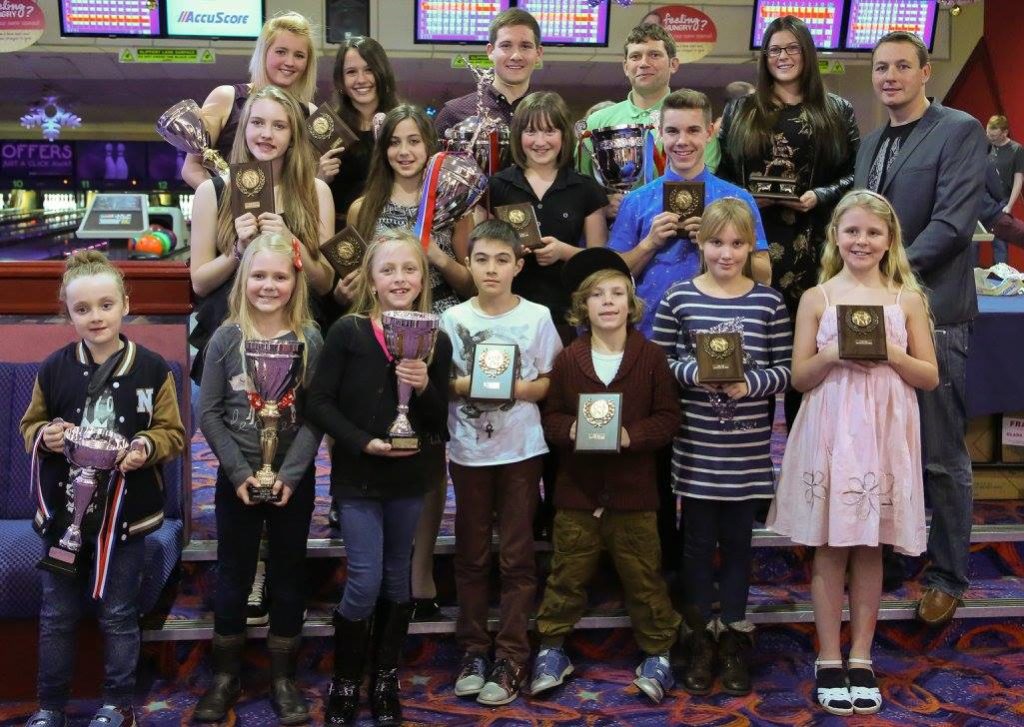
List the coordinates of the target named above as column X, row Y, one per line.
column 291, row 22
column 366, row 302
column 720, row 214
column 296, row 311
column 894, row 265
column 298, row 177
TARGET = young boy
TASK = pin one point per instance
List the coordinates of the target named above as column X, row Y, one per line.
column 495, row 458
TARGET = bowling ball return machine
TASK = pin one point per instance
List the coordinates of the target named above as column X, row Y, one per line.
column 126, row 220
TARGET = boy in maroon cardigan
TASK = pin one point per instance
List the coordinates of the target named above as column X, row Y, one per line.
column 608, row 499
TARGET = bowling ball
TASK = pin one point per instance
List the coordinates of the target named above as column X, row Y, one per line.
column 165, row 240
column 170, row 234
column 147, row 244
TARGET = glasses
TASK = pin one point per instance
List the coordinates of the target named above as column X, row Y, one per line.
column 792, row 50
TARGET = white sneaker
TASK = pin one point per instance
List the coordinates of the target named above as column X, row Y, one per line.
column 256, row 613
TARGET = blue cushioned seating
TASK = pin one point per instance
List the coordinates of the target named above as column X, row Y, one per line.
column 21, row 548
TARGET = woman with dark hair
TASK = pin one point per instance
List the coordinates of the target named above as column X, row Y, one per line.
column 391, row 201
column 365, row 85
column 791, row 122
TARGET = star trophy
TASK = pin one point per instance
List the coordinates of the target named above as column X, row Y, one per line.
column 182, row 127
column 92, row 450
column 481, row 136
column 273, row 368
column 408, row 335
column 622, row 156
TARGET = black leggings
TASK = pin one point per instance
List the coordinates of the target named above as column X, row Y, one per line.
column 239, row 527
column 727, row 524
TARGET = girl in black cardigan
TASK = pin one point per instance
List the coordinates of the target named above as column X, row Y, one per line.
column 380, row 490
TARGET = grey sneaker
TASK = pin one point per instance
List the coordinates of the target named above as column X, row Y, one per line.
column 654, row 677
column 550, row 669
column 503, row 683
column 47, row 718
column 472, row 675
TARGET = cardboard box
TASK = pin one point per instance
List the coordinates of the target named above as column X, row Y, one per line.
column 986, row 437
column 999, row 484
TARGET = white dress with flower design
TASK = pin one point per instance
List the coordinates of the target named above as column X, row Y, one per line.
column 851, row 472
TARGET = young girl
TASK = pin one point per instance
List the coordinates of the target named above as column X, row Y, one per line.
column 284, row 57
column 720, row 457
column 391, row 202
column 608, row 499
column 98, row 382
column 379, row 490
column 851, row 475
column 274, row 131
column 268, row 303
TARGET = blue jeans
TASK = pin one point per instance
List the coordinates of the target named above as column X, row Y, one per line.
column 119, row 621
column 947, row 463
column 378, row 547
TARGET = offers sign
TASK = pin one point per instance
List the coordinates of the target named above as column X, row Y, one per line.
column 694, row 32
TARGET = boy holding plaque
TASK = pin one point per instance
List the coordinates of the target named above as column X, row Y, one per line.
column 851, row 477
column 728, row 344
column 611, row 386
column 105, row 384
column 495, row 457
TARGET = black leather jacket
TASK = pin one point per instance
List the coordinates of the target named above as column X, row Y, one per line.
column 828, row 181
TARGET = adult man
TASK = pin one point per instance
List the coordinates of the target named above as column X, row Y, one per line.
column 645, row 235
column 514, row 48
column 929, row 162
column 1008, row 158
column 649, row 62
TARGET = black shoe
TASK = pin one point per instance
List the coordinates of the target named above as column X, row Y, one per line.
column 733, row 653
column 391, row 624
column 425, row 609
column 333, row 515
column 226, row 655
column 285, row 697
column 699, row 675
column 350, row 641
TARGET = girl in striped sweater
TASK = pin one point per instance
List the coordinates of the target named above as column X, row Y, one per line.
column 720, row 456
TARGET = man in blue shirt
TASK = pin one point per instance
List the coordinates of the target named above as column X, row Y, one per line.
column 645, row 235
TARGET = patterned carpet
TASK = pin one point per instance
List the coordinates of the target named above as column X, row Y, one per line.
column 971, row 675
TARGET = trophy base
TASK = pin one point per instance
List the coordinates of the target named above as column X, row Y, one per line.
column 59, row 561
column 260, row 495
column 404, row 443
column 780, row 188
column 776, row 195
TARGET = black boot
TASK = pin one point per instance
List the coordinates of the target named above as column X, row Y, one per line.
column 699, row 676
column 733, row 652
column 390, row 625
column 285, row 697
column 226, row 655
column 350, row 641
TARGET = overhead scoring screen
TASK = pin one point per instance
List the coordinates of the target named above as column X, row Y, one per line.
column 455, row 21
column 569, row 22
column 214, row 18
column 824, row 18
column 869, row 20
column 109, row 17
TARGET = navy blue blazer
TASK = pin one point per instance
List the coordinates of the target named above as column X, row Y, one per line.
column 936, row 186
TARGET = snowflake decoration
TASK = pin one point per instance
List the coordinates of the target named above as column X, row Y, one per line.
column 50, row 117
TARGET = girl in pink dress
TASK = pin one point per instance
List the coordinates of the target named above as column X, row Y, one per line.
column 851, row 475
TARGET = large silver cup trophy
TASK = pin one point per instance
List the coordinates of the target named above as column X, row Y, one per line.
column 408, row 335
column 618, row 154
column 486, row 140
column 460, row 186
column 273, row 368
column 182, row 127
column 93, row 450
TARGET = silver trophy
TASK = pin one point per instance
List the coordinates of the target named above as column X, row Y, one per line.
column 93, row 450
column 408, row 335
column 460, row 185
column 182, row 127
column 618, row 154
column 273, row 368
column 485, row 140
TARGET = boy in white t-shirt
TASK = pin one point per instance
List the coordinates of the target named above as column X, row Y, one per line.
column 495, row 462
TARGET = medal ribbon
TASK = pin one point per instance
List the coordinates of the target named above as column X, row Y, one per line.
column 108, row 533
column 35, row 485
column 494, row 157
column 428, row 199
column 651, row 170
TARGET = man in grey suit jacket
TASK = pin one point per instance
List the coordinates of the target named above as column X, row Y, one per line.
column 929, row 162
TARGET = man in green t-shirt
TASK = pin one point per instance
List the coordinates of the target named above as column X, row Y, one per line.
column 649, row 62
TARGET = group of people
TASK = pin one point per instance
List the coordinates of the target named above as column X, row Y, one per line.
column 612, row 301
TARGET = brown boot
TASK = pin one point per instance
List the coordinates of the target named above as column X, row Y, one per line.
column 226, row 654
column 733, row 655
column 699, row 675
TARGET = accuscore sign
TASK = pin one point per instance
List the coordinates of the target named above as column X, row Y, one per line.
column 215, row 18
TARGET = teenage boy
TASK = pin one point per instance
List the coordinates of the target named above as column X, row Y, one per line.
column 514, row 48
column 646, row 235
column 495, row 461
column 1008, row 158
column 649, row 61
